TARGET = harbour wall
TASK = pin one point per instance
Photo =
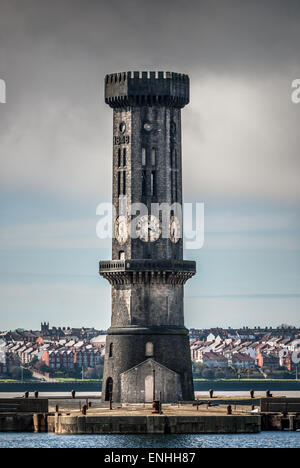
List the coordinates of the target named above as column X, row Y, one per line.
column 218, row 385
column 62, row 424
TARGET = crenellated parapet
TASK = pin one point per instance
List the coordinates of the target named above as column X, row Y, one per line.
column 135, row 265
column 132, row 89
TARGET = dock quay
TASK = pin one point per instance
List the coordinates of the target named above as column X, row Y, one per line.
column 202, row 416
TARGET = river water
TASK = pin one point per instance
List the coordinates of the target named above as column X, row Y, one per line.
column 189, row 441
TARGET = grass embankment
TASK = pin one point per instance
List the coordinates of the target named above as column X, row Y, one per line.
column 67, row 379
column 245, row 380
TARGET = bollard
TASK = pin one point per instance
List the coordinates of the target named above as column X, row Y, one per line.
column 155, row 407
column 160, row 404
column 292, row 422
column 252, row 393
column 36, row 394
column 229, row 409
column 26, row 395
column 84, row 410
column 211, row 393
column 73, row 393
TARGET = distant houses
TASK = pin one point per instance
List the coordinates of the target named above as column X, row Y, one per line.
column 68, row 348
column 54, row 348
column 244, row 349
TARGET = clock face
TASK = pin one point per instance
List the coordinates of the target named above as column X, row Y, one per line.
column 175, row 229
column 148, row 228
column 121, row 229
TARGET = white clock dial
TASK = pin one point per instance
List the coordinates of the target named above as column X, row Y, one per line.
column 148, row 228
column 175, row 229
column 121, row 229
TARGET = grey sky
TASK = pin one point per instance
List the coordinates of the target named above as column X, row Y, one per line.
column 241, row 139
column 241, row 56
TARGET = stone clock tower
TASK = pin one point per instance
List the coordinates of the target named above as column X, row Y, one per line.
column 147, row 346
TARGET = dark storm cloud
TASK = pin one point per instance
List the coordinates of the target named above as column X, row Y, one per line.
column 54, row 54
column 213, row 34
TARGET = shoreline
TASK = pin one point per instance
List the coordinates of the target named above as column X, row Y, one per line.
column 199, row 386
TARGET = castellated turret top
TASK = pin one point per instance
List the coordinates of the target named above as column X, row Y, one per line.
column 131, row 89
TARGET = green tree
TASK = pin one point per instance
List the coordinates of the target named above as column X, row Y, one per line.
column 208, row 373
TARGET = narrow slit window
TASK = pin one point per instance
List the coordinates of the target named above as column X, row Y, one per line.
column 144, row 184
column 153, row 156
column 172, row 185
column 153, row 184
column 119, row 157
column 121, row 255
column 119, row 184
column 124, row 157
column 124, row 182
column 143, row 156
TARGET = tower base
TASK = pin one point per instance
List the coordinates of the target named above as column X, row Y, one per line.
column 143, row 363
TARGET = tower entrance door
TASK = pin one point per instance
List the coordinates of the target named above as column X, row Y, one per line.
column 149, row 388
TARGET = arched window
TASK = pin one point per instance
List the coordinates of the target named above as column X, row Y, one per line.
column 149, row 349
column 111, row 346
column 121, row 255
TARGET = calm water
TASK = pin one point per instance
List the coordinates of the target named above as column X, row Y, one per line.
column 263, row 440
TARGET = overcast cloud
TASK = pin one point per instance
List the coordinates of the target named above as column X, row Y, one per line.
column 241, row 142
column 241, row 130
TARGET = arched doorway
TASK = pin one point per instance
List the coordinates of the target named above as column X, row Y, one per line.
column 109, row 389
column 149, row 388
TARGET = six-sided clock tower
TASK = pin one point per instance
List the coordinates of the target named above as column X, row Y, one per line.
column 147, row 346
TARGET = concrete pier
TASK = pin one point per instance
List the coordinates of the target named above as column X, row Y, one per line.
column 160, row 424
column 12, row 422
column 205, row 416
